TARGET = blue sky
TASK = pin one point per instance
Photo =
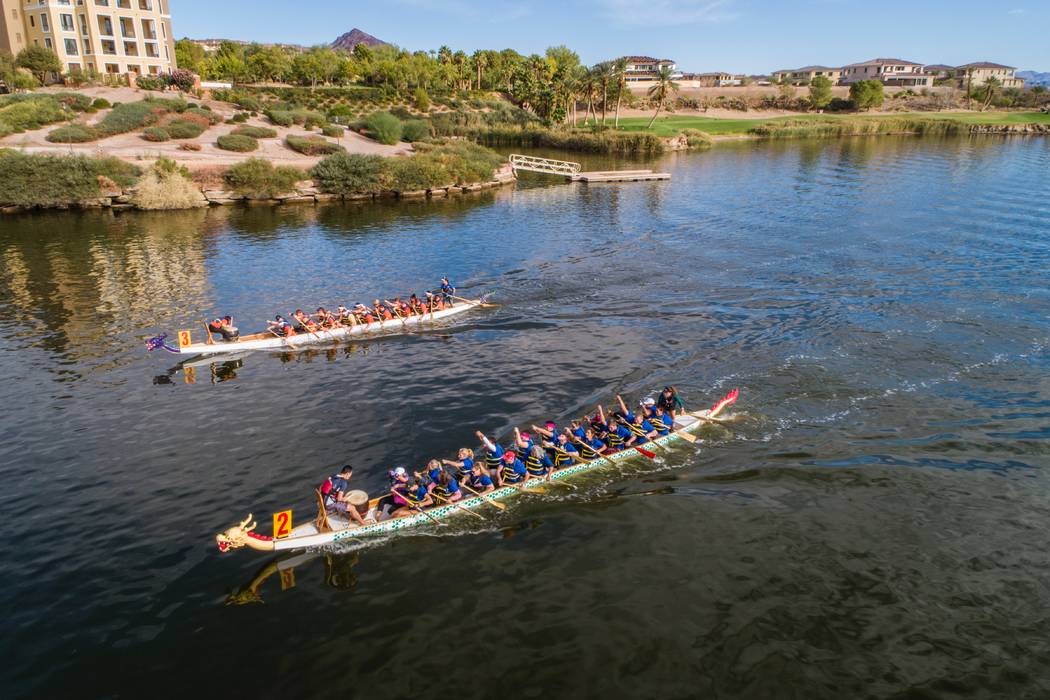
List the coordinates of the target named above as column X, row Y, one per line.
column 754, row 36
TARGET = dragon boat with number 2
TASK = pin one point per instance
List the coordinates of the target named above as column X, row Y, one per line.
column 328, row 528
column 270, row 341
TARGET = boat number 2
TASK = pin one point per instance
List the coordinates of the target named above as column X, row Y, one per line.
column 282, row 524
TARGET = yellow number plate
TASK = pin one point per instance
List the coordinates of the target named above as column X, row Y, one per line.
column 282, row 524
column 184, row 339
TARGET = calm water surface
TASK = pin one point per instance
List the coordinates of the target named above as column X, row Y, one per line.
column 872, row 523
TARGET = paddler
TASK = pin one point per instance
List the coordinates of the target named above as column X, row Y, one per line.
column 591, row 446
column 494, row 456
column 417, row 305
column 642, row 431
column 446, row 488
column 325, row 319
column 614, row 434
column 512, row 470
column 447, row 290
column 537, row 464
column 381, row 311
column 303, row 323
column 415, row 496
column 224, row 327
column 398, row 478
column 478, row 479
column 279, row 327
column 659, row 418
column 562, row 450
column 464, row 463
column 364, row 314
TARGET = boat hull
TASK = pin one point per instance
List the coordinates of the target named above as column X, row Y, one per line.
column 321, row 337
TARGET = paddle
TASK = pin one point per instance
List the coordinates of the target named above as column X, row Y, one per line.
column 476, row 302
column 413, row 505
column 459, row 505
column 487, row 499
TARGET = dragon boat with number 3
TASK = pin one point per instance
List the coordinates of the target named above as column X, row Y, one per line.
column 328, row 528
column 270, row 341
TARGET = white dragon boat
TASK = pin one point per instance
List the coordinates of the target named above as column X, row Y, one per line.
column 327, row 528
column 270, row 341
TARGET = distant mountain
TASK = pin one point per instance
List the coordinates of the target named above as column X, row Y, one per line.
column 354, row 37
column 1032, row 77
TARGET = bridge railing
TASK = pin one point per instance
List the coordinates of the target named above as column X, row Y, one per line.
column 543, row 165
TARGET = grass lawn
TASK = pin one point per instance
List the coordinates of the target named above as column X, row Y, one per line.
column 673, row 124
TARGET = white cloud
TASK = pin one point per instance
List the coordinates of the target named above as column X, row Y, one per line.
column 664, row 12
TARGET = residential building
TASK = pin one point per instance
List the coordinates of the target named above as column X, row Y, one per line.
column 716, row 79
column 804, row 75
column 646, row 68
column 977, row 74
column 107, row 36
column 892, row 72
column 939, row 71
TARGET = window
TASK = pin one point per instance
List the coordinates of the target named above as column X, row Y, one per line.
column 48, row 44
column 71, row 47
column 134, row 69
column 87, row 47
column 131, row 48
column 14, row 14
column 111, row 67
column 151, row 50
column 163, row 32
column 83, row 24
column 67, row 23
column 126, row 4
column 109, row 47
column 102, row 3
column 154, row 70
column 74, row 67
column 43, row 24
column 127, row 27
column 105, row 26
column 32, row 22
column 148, row 30
column 145, row 5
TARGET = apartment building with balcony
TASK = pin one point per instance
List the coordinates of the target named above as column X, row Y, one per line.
column 646, row 68
column 892, row 72
column 106, row 36
column 805, row 74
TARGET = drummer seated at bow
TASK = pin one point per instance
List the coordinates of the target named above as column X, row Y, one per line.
column 279, row 327
column 224, row 327
column 642, row 431
column 414, row 496
column 335, row 492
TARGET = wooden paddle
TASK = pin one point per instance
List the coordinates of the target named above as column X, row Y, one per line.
column 488, row 499
column 477, row 302
column 413, row 505
column 459, row 505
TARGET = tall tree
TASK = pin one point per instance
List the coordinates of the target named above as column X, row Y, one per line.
column 619, row 69
column 604, row 73
column 39, row 61
column 659, row 92
column 991, row 88
column 188, row 55
column 820, row 92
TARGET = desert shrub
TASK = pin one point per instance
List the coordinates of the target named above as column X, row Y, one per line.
column 237, row 143
column 464, row 161
column 39, row 180
column 101, row 103
column 256, row 177
column 422, row 100
column 312, row 145
column 238, row 118
column 333, row 131
column 189, row 146
column 401, row 113
column 280, row 117
column 384, row 127
column 201, row 112
column 155, row 133
column 72, row 133
column 415, row 130
column 340, row 112
column 24, row 80
column 136, row 115
column 25, row 112
column 167, row 186
column 418, row 172
column 256, row 132
column 696, row 138
column 74, row 100
column 184, row 129
column 151, row 82
column 345, row 173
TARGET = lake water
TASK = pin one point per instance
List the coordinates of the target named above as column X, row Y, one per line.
column 872, row 522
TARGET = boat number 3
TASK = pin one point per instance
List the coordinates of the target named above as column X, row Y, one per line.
column 184, row 339
column 282, row 524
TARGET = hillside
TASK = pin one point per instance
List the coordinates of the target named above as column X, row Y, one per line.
column 1032, row 77
column 354, row 37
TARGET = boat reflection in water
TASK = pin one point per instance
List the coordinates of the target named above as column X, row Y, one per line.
column 338, row 573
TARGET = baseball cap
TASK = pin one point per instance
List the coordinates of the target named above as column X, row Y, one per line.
column 399, row 471
column 648, row 401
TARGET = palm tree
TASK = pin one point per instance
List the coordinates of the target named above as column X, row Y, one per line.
column 619, row 71
column 481, row 62
column 991, row 86
column 661, row 90
column 589, row 89
column 604, row 77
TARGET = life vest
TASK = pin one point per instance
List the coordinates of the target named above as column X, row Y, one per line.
column 493, row 462
column 586, row 451
column 466, row 469
column 614, row 440
column 411, row 495
column 535, row 466
column 562, row 459
column 658, row 424
column 216, row 326
column 639, row 431
column 508, row 474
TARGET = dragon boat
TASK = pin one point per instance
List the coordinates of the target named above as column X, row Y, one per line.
column 328, row 528
column 270, row 341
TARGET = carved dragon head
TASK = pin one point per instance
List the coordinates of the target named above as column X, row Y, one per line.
column 236, row 536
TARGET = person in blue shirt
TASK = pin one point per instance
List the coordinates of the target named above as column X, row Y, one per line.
column 445, row 488
column 616, row 435
column 660, row 419
column 642, row 431
column 416, row 496
column 522, row 441
column 512, row 472
column 537, row 464
column 430, row 476
column 447, row 290
column 494, row 457
column 563, row 450
column 591, row 446
column 464, row 462
column 479, row 480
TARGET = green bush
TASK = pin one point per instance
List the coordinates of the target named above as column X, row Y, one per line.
column 150, row 82
column 696, row 138
column 167, row 186
column 26, row 112
column 333, row 131
column 101, row 103
column 237, row 143
column 415, row 130
column 422, row 100
column 418, row 172
column 256, row 132
column 344, row 173
column 39, row 180
column 72, row 133
column 256, row 177
column 74, row 100
column 464, row 161
column 384, row 127
column 340, row 112
column 212, row 117
column 312, row 145
column 184, row 129
column 238, row 118
column 155, row 133
column 280, row 117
